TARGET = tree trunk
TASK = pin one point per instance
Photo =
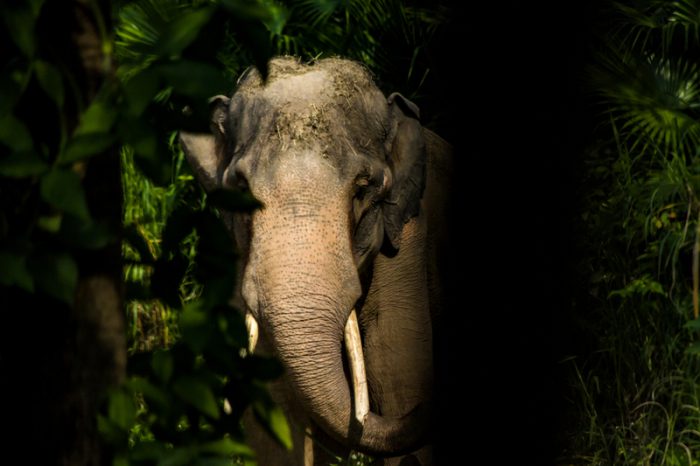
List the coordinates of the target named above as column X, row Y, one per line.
column 57, row 362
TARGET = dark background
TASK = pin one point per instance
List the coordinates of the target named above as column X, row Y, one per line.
column 520, row 119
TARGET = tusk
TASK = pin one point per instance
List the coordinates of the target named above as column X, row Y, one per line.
column 353, row 345
column 252, row 326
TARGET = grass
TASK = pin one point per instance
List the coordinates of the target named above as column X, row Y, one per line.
column 655, row 425
column 635, row 384
column 153, row 324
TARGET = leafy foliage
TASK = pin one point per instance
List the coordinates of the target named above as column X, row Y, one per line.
column 392, row 37
column 637, row 391
column 186, row 389
column 172, row 407
column 42, row 196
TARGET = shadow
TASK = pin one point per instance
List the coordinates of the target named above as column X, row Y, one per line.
column 518, row 119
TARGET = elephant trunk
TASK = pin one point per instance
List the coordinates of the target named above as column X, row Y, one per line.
column 301, row 283
column 310, row 349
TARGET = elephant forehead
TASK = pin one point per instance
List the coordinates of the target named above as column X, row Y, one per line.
column 313, row 86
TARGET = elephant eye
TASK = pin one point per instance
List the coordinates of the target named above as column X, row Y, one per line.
column 241, row 182
column 362, row 183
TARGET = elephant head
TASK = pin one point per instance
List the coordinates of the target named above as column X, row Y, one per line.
column 339, row 170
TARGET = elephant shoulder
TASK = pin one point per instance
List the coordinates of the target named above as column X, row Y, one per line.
column 439, row 166
column 436, row 202
column 439, row 153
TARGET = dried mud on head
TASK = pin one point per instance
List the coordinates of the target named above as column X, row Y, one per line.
column 321, row 104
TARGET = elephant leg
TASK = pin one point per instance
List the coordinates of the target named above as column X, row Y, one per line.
column 268, row 452
column 311, row 446
column 408, row 460
column 325, row 450
column 422, row 457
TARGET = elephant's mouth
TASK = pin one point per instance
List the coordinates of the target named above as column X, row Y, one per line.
column 356, row 360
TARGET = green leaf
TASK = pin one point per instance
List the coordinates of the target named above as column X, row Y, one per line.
column 280, row 427
column 50, row 81
column 196, row 326
column 151, row 153
column 198, row 394
column 110, row 431
column 145, row 451
column 63, row 190
column 182, row 456
column 99, row 118
column 215, row 260
column 36, row 6
column 694, row 348
column 227, row 447
column 264, row 368
column 10, row 89
column 86, row 145
column 693, row 325
column 279, row 16
column 213, row 233
column 87, row 235
column 162, row 365
column 247, row 11
column 146, row 146
column 235, row 201
column 140, row 91
column 274, row 422
column 56, row 274
column 14, row 134
column 14, row 272
column 180, row 224
column 19, row 21
column 120, row 461
column 166, row 279
column 22, row 164
column 194, row 79
column 219, row 461
column 121, row 409
column 50, row 223
column 157, row 397
column 232, row 325
column 180, row 32
column 640, row 286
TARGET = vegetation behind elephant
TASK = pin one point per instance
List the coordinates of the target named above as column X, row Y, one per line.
column 340, row 266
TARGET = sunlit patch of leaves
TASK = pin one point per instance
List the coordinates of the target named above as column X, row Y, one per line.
column 654, row 99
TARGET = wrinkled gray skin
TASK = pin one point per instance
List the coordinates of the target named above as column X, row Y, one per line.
column 354, row 191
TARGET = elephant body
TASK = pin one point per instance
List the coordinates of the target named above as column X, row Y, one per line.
column 354, row 193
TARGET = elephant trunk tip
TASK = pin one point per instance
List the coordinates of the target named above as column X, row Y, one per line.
column 399, row 436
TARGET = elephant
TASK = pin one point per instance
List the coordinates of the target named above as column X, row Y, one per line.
column 339, row 274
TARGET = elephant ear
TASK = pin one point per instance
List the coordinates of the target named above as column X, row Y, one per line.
column 206, row 153
column 407, row 160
